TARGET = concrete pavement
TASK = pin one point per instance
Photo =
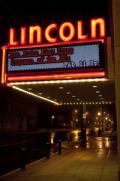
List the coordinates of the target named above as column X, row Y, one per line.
column 97, row 162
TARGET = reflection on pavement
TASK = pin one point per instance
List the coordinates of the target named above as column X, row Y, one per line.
column 100, row 144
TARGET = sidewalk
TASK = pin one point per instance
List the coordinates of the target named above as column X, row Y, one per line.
column 95, row 163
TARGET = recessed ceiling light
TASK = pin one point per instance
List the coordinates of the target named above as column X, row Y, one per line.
column 97, row 92
column 68, row 93
column 29, row 88
column 32, row 94
column 94, row 86
column 40, row 93
column 73, row 96
column 100, row 95
column 61, row 88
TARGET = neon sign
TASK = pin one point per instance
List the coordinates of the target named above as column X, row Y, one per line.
column 54, row 33
column 54, row 52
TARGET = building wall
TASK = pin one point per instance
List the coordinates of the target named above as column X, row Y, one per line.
column 116, row 40
column 17, row 112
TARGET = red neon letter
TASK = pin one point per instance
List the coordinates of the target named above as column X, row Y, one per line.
column 94, row 24
column 35, row 30
column 12, row 37
column 66, row 26
column 48, row 30
column 23, row 36
column 80, row 31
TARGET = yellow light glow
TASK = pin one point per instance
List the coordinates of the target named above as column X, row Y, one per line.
column 76, row 135
column 58, row 81
column 88, row 145
column 97, row 22
column 91, row 103
column 23, row 36
column 99, row 113
column 52, row 137
column 77, row 146
column 32, row 94
column 76, row 111
column 63, row 27
column 107, row 142
column 35, row 30
column 12, row 35
column 80, row 31
column 48, row 31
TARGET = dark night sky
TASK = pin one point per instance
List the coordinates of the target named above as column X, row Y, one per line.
column 19, row 13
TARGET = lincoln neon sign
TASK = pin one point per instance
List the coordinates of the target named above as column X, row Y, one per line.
column 55, row 33
column 52, row 36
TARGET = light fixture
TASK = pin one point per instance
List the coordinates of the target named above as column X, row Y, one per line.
column 99, row 113
column 29, row 89
column 34, row 95
column 61, row 88
column 97, row 92
column 73, row 96
column 59, row 81
column 68, row 93
column 94, row 86
column 40, row 93
column 76, row 110
column 52, row 116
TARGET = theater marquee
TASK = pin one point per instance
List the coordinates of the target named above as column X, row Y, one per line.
column 56, row 52
column 81, row 57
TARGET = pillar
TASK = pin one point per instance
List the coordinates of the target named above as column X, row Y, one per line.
column 116, row 43
column 83, row 126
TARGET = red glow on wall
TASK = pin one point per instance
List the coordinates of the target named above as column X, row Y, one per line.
column 56, row 76
column 57, row 43
column 3, row 73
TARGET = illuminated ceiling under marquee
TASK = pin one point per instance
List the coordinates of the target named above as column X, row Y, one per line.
column 31, row 81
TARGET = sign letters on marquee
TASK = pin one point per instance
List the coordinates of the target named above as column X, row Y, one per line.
column 37, row 51
column 66, row 32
